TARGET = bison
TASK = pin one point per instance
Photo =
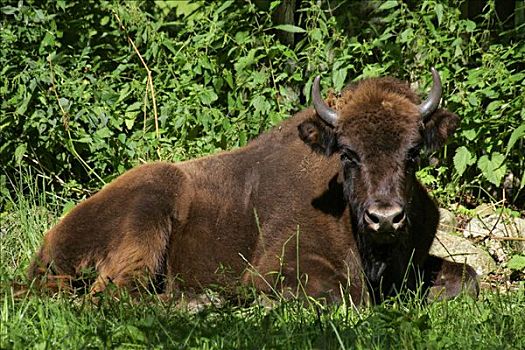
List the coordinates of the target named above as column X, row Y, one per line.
column 327, row 203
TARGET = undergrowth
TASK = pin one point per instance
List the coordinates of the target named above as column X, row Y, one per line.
column 60, row 322
column 79, row 107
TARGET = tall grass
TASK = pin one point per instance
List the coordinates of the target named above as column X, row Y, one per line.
column 495, row 321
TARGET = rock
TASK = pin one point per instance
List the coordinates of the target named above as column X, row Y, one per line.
column 459, row 249
column 497, row 231
column 483, row 210
column 496, row 225
column 195, row 303
column 447, row 221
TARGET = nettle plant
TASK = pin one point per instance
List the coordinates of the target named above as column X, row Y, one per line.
column 79, row 108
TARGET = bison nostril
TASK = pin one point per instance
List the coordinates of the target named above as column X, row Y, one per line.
column 372, row 218
column 399, row 218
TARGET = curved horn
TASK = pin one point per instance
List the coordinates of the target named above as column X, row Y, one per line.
column 326, row 113
column 427, row 107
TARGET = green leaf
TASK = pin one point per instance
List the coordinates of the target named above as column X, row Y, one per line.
column 9, row 10
column 64, row 103
column 23, row 106
column 242, row 138
column 104, row 133
column 339, row 78
column 406, row 35
column 208, row 96
column 135, row 106
column 167, row 44
column 223, row 7
column 387, row 5
column 204, row 62
column 462, row 159
column 48, row 40
column 104, row 20
column 517, row 262
column 493, row 169
column 274, row 4
column 245, row 62
column 122, row 138
column 227, row 75
column 290, row 28
column 67, row 208
column 129, row 123
column 470, row 26
column 135, row 333
column 242, row 37
column 20, row 151
column 469, row 134
column 316, row 34
column 439, row 12
column 61, row 4
column 260, row 104
column 493, row 107
column 472, row 100
column 518, row 133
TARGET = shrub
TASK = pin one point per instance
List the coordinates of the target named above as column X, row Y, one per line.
column 78, row 110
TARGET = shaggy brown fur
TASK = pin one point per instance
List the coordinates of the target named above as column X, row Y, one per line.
column 273, row 214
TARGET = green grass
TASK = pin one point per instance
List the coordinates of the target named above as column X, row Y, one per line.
column 495, row 321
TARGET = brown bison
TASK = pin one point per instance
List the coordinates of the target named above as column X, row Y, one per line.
column 326, row 203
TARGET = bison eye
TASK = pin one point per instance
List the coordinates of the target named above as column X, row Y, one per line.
column 350, row 158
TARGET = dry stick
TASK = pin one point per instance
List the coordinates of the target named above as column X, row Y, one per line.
column 149, row 80
column 445, row 247
column 65, row 115
column 507, row 238
column 65, row 120
column 489, row 236
column 145, row 111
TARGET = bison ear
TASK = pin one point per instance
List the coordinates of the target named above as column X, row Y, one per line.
column 439, row 127
column 318, row 135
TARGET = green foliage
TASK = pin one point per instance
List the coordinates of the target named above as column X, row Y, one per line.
column 58, row 323
column 76, row 109
column 517, row 262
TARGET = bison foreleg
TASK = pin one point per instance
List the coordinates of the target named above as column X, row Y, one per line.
column 446, row 279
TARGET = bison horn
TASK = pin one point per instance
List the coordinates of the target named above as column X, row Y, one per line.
column 326, row 113
column 427, row 107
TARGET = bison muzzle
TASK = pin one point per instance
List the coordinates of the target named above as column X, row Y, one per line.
column 327, row 204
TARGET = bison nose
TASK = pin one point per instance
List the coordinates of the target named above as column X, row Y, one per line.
column 385, row 218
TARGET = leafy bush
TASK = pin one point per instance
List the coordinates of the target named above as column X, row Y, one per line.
column 76, row 106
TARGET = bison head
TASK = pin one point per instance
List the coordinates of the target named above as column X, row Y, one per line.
column 378, row 128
